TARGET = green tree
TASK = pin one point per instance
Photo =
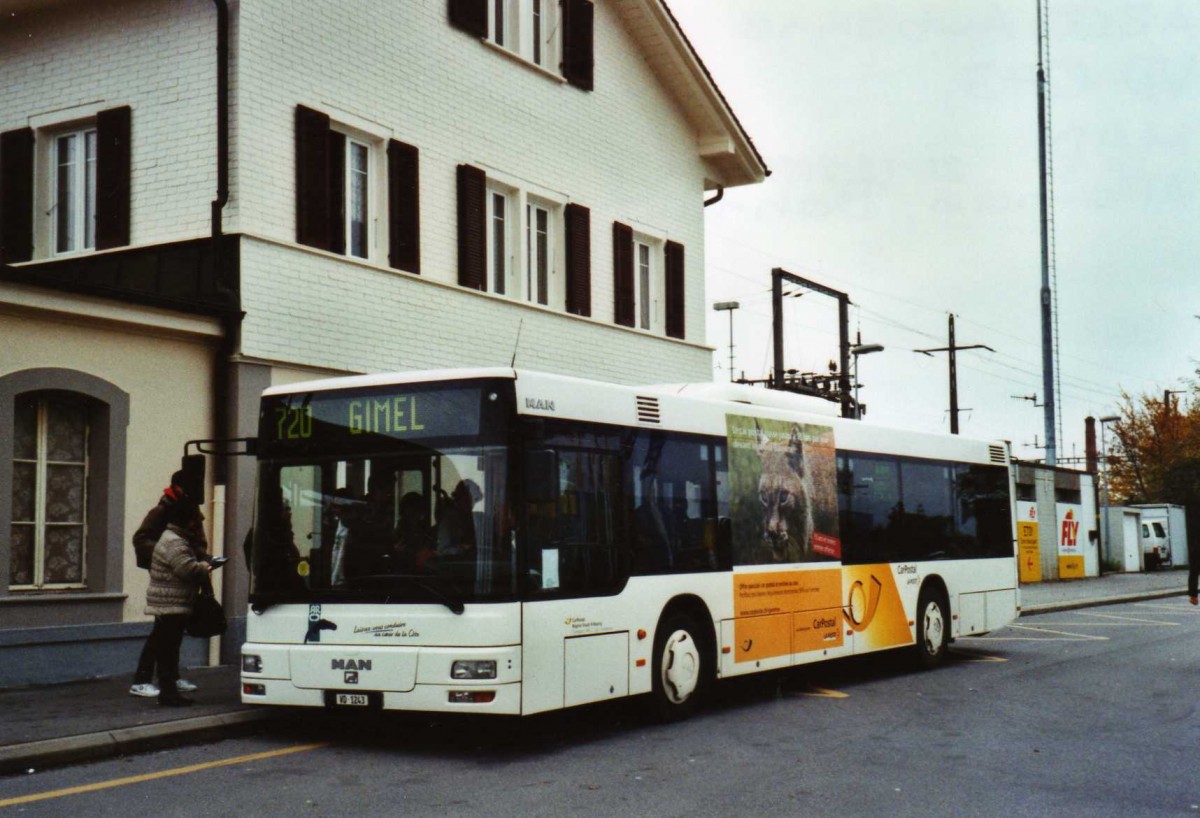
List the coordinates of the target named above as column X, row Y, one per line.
column 1156, row 455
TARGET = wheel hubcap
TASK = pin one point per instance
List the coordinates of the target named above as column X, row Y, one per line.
column 680, row 667
column 934, row 627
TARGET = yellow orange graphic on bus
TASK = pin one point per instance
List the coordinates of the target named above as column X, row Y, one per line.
column 873, row 609
column 779, row 613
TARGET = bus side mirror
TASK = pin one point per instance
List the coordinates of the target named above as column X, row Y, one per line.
column 541, row 475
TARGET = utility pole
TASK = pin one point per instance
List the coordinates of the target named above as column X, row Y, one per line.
column 953, row 349
column 779, row 378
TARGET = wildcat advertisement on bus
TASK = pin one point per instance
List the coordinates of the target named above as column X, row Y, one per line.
column 783, row 491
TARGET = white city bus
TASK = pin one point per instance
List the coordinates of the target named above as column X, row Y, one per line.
column 511, row 542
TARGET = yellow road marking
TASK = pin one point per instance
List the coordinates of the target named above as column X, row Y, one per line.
column 1123, row 619
column 978, row 658
column 1071, row 637
column 138, row 779
column 820, row 693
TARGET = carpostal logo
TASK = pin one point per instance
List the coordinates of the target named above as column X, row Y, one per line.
column 1070, row 530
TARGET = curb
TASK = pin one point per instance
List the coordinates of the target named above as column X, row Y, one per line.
column 1051, row 607
column 109, row 743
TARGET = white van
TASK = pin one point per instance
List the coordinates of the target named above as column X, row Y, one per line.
column 1156, row 544
column 1163, row 535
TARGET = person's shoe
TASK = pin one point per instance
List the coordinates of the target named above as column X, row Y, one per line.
column 184, row 686
column 147, row 690
column 175, row 701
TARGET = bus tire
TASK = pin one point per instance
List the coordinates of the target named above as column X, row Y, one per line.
column 682, row 668
column 933, row 628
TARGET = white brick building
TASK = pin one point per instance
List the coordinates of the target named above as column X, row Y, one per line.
column 416, row 184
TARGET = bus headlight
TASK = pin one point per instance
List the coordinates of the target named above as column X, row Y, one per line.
column 473, row 669
column 251, row 663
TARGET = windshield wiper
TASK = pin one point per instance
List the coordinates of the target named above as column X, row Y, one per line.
column 455, row 605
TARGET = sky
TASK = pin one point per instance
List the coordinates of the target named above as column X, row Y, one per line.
column 902, row 141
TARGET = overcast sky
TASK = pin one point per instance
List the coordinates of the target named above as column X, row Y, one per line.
column 902, row 140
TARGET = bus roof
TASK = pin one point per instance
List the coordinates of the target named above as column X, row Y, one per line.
column 692, row 408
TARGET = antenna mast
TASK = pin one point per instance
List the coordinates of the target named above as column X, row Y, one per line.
column 1049, row 302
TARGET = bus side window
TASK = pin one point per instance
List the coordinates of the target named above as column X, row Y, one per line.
column 574, row 537
column 678, row 507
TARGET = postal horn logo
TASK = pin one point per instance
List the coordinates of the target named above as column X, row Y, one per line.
column 862, row 603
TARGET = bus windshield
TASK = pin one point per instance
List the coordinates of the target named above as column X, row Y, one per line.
column 396, row 494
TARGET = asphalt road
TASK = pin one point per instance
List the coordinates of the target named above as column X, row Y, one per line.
column 1079, row 713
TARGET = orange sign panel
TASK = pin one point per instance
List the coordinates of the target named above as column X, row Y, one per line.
column 817, row 630
column 784, row 612
column 762, row 637
column 786, row 591
column 1030, row 566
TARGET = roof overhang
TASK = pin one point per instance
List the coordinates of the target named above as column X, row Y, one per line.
column 721, row 142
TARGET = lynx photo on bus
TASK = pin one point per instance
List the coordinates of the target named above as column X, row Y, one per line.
column 510, row 542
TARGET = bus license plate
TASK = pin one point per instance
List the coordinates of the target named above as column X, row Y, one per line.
column 352, row 700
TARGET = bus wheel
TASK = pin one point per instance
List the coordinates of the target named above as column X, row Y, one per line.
column 681, row 668
column 933, row 628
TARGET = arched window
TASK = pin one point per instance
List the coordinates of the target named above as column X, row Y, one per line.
column 50, row 497
column 62, row 493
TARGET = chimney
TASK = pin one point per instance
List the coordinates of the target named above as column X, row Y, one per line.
column 1089, row 436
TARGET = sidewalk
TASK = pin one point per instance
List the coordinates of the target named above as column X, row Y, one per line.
column 1043, row 597
column 97, row 718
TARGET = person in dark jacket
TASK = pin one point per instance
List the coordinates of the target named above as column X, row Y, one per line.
column 176, row 573
column 1193, row 580
column 144, row 541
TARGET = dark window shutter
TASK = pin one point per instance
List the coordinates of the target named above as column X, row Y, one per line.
column 337, row 192
column 674, row 282
column 113, row 157
column 579, row 259
column 16, row 196
column 577, row 26
column 312, row 178
column 470, row 16
column 404, row 207
column 623, row 274
column 472, row 227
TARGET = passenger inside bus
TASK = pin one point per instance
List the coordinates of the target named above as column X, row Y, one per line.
column 416, row 540
column 456, row 520
column 339, row 504
column 371, row 531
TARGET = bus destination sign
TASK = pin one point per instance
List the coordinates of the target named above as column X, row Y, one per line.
column 349, row 416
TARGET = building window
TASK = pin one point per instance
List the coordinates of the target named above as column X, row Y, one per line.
column 358, row 188
column 647, row 283
column 537, row 253
column 75, row 191
column 343, row 174
column 643, row 291
column 509, row 242
column 498, row 261
column 527, row 28
column 520, row 246
column 49, row 492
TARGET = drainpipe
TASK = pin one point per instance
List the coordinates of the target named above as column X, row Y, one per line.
column 231, row 316
column 720, row 194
